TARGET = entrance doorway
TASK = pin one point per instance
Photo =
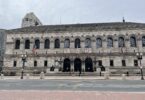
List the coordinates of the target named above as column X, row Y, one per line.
column 66, row 65
column 88, row 65
column 77, row 65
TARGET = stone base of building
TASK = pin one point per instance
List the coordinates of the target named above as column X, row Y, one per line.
column 7, row 71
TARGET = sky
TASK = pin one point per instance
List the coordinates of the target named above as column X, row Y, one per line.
column 52, row 12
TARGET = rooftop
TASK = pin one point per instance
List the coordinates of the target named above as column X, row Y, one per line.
column 81, row 27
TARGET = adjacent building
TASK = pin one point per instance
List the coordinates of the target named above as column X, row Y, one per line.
column 2, row 47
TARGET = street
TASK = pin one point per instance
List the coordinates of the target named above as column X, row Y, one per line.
column 74, row 85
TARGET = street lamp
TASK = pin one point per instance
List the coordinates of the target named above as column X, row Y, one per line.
column 24, row 56
column 139, row 57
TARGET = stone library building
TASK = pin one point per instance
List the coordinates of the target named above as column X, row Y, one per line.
column 90, row 48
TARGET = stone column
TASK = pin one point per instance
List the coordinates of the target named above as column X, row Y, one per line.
column 115, row 42
column 22, row 44
column 104, row 42
column 94, row 43
column 94, row 65
column 62, row 43
column 83, row 43
column 72, row 43
column 127, row 42
column 42, row 43
column 51, row 43
column 72, row 65
column 139, row 43
column 32, row 41
column 83, row 65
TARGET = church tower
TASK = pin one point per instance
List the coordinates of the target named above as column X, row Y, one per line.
column 30, row 20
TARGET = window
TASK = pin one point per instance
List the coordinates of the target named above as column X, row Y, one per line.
column 17, row 44
column 37, row 44
column 57, row 43
column 77, row 43
column 136, row 63
column 15, row 63
column 121, row 42
column 36, row 23
column 123, row 63
column 27, row 44
column 35, row 63
column 88, row 43
column 143, row 41
column 98, row 43
column 26, row 19
column 47, row 44
column 109, row 42
column 45, row 63
column 99, row 62
column 67, row 43
column 133, row 41
column 111, row 63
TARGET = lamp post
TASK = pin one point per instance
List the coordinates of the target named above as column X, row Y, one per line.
column 24, row 56
column 139, row 57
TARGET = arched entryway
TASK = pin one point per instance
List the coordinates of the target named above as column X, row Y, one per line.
column 66, row 65
column 77, row 65
column 88, row 65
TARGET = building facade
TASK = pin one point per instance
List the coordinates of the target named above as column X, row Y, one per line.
column 71, row 47
column 78, row 47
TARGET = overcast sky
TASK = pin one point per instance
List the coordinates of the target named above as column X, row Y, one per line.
column 71, row 11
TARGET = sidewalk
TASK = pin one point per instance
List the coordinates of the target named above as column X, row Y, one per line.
column 73, row 77
column 69, row 95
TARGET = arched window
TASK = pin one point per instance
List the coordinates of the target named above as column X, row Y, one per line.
column 67, row 43
column 121, row 42
column 27, row 44
column 57, row 43
column 143, row 41
column 98, row 42
column 47, row 44
column 109, row 42
column 133, row 41
column 88, row 43
column 37, row 43
column 77, row 43
column 17, row 44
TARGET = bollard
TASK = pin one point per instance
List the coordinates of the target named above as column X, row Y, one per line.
column 123, row 77
column 27, row 76
column 42, row 75
column 106, row 75
column 2, row 76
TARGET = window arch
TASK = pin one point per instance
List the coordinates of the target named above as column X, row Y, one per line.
column 67, row 43
column 37, row 44
column 47, row 44
column 121, row 42
column 27, row 44
column 17, row 44
column 143, row 41
column 109, row 42
column 132, row 41
column 77, row 43
column 57, row 43
column 88, row 43
column 98, row 42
